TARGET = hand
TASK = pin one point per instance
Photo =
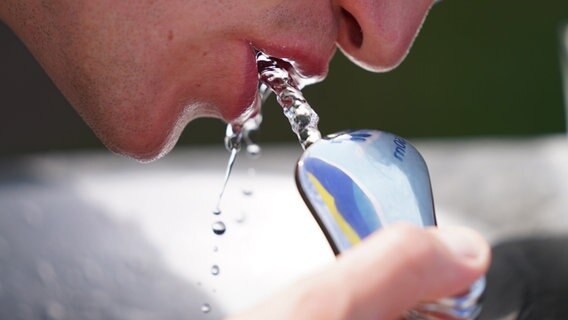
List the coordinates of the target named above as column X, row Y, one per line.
column 390, row 272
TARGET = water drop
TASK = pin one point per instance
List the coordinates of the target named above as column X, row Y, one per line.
column 217, row 211
column 247, row 192
column 215, row 249
column 219, row 228
column 205, row 308
column 232, row 158
column 215, row 270
column 233, row 137
column 253, row 150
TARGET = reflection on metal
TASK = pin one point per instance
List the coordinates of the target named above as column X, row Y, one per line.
column 358, row 181
column 355, row 182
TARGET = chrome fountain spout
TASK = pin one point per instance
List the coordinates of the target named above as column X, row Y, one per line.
column 356, row 182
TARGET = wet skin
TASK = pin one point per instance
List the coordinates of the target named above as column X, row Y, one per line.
column 139, row 70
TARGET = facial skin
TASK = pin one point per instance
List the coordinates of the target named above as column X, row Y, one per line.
column 139, row 70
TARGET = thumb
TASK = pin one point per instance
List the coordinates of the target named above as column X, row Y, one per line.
column 403, row 265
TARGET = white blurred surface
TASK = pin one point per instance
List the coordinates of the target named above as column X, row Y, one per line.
column 270, row 240
column 106, row 212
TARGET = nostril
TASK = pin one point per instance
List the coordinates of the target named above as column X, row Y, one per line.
column 353, row 28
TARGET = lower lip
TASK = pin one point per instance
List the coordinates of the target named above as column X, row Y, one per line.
column 248, row 95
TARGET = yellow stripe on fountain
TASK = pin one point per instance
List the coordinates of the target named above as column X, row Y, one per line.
column 328, row 199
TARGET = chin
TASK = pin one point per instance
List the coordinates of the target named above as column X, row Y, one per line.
column 151, row 138
column 141, row 147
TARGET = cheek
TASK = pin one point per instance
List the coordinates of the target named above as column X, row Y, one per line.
column 143, row 114
column 221, row 75
column 139, row 72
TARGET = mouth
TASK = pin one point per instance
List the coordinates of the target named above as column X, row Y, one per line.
column 307, row 66
column 232, row 95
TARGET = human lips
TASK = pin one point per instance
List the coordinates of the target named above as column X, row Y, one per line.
column 309, row 67
column 301, row 33
column 229, row 91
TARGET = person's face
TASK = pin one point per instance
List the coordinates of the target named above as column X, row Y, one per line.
column 139, row 70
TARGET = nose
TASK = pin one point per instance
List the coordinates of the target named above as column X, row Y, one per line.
column 376, row 34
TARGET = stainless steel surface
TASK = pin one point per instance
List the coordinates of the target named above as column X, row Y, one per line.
column 466, row 306
column 96, row 236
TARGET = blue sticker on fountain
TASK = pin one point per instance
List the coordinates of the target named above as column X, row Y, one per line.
column 346, row 201
column 359, row 181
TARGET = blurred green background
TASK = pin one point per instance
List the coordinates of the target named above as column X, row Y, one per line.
column 479, row 68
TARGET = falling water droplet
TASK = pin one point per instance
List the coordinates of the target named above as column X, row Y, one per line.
column 205, row 308
column 215, row 249
column 217, row 212
column 219, row 228
column 230, row 164
column 253, row 150
column 215, row 270
column 247, row 192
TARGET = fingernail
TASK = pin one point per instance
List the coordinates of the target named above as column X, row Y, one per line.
column 463, row 243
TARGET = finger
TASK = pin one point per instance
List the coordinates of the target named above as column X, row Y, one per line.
column 403, row 265
column 388, row 273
